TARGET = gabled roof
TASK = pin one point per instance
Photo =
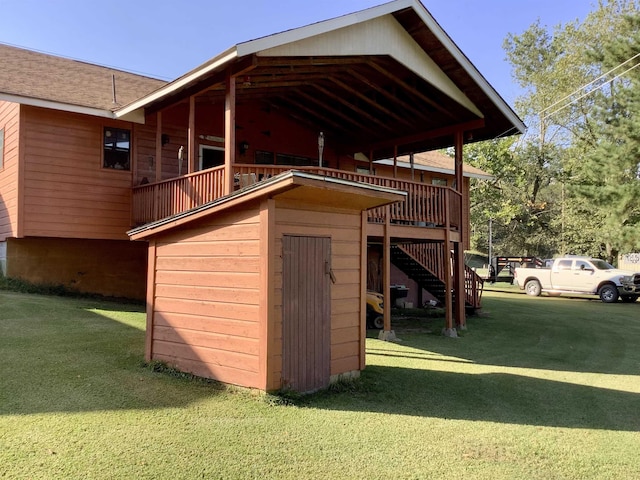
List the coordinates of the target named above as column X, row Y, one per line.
column 303, row 187
column 35, row 78
column 384, row 76
column 438, row 163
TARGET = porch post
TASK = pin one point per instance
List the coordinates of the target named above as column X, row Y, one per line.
column 386, row 333
column 229, row 131
column 370, row 162
column 459, row 246
column 395, row 161
column 158, row 146
column 191, row 141
column 449, row 329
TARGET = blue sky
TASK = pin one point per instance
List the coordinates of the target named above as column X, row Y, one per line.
column 165, row 38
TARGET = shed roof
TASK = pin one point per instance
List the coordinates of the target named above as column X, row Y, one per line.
column 290, row 185
column 36, row 78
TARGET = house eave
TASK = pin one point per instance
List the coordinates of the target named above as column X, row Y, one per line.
column 191, row 77
column 53, row 105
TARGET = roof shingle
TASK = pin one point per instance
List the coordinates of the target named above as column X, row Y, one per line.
column 25, row 73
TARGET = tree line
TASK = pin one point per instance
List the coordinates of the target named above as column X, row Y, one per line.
column 571, row 183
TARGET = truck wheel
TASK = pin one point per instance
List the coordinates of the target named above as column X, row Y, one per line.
column 378, row 322
column 533, row 288
column 608, row 293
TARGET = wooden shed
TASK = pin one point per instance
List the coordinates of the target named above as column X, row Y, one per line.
column 264, row 288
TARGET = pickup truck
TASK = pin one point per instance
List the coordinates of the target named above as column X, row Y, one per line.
column 580, row 275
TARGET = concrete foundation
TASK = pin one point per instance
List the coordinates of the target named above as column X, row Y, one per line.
column 450, row 332
column 114, row 268
column 387, row 335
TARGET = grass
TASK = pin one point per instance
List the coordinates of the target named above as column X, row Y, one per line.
column 535, row 388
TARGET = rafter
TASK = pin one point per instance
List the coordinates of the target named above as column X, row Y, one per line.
column 410, row 88
column 338, row 113
column 371, row 102
column 353, row 107
column 429, row 134
column 404, row 105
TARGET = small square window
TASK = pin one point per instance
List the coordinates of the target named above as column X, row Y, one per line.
column 117, row 148
column 441, row 182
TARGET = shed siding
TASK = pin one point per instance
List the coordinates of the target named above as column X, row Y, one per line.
column 67, row 192
column 344, row 230
column 206, row 299
column 10, row 122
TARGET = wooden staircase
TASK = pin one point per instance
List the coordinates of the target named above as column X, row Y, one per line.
column 424, row 263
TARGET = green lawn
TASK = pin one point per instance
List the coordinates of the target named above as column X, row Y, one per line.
column 535, row 388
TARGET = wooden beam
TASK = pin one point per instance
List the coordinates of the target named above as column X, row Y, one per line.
column 353, row 107
column 151, row 298
column 406, row 107
column 448, row 280
column 459, row 246
column 158, row 172
column 395, row 161
column 386, row 269
column 363, row 288
column 429, row 134
column 229, row 132
column 267, row 320
column 306, row 61
column 371, row 102
column 414, row 91
column 335, row 112
column 312, row 112
column 191, row 136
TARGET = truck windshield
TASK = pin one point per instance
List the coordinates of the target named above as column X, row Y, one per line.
column 602, row 265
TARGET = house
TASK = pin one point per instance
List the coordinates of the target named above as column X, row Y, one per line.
column 347, row 103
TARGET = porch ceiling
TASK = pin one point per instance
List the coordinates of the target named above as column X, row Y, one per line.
column 357, row 101
column 383, row 78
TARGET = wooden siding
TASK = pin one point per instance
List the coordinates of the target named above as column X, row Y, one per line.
column 67, row 192
column 145, row 155
column 344, row 230
column 9, row 171
column 206, row 299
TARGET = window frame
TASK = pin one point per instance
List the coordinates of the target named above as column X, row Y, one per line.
column 104, row 150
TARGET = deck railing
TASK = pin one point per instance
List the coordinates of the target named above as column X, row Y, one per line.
column 425, row 205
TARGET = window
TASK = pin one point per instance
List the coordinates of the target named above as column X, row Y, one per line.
column 295, row 160
column 563, row 265
column 1, row 148
column 442, row 182
column 117, row 149
column 264, row 158
column 211, row 156
column 582, row 265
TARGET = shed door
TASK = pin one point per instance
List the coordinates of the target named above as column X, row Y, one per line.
column 306, row 312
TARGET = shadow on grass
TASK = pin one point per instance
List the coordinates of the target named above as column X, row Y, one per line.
column 493, row 397
column 77, row 355
column 575, row 335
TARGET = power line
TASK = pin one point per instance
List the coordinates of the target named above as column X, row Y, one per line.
column 590, row 83
column 590, row 91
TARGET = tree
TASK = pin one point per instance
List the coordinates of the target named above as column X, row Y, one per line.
column 608, row 177
column 572, row 182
